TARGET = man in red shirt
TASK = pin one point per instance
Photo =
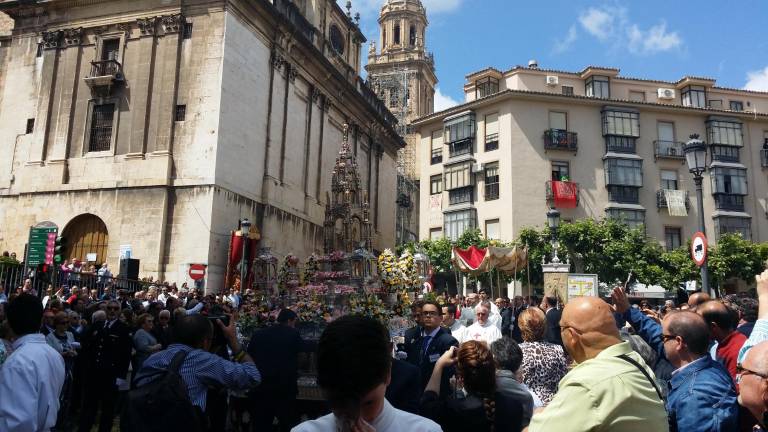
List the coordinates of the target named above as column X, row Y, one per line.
column 723, row 330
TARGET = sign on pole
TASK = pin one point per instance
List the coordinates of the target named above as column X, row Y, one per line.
column 196, row 271
column 699, row 248
column 42, row 241
column 582, row 285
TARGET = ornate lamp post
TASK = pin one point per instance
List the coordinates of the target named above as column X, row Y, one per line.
column 266, row 271
column 696, row 156
column 245, row 226
column 553, row 221
column 422, row 266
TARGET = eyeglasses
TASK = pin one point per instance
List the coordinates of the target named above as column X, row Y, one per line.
column 665, row 338
column 741, row 371
column 430, row 313
column 481, row 313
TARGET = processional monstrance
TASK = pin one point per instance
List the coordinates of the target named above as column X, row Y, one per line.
column 347, row 224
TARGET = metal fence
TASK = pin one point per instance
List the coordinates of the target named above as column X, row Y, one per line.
column 13, row 278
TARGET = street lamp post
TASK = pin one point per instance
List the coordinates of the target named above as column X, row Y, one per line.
column 245, row 226
column 696, row 156
column 553, row 221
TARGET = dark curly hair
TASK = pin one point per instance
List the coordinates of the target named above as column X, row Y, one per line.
column 475, row 366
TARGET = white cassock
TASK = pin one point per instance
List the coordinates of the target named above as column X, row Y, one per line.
column 494, row 317
column 487, row 333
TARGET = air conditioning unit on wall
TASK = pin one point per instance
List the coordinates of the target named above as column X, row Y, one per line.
column 665, row 93
column 552, row 80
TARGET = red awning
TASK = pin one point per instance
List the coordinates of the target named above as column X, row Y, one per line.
column 565, row 194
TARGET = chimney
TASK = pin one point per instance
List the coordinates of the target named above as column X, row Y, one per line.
column 533, row 64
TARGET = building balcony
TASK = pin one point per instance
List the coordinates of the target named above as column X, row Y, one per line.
column 668, row 150
column 661, row 200
column 464, row 195
column 558, row 139
column 104, row 73
column 560, row 192
column 623, row 194
column 461, row 147
column 726, row 201
column 764, row 158
column 724, row 153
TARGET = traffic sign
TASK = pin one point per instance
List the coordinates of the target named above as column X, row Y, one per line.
column 197, row 271
column 699, row 248
column 41, row 245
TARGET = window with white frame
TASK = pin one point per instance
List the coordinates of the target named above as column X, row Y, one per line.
column 491, row 132
column 558, row 120
column 435, row 233
column 733, row 224
column 729, row 180
column 621, row 123
column 492, row 231
column 435, row 184
column 436, row 152
column 456, row 223
column 458, row 176
column 598, row 86
column 633, row 218
column 624, row 172
column 669, row 179
column 673, row 238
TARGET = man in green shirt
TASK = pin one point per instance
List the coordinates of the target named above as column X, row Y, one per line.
column 611, row 388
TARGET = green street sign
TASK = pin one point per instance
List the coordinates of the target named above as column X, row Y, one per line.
column 41, row 245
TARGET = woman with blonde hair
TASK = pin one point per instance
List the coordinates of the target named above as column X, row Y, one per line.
column 544, row 363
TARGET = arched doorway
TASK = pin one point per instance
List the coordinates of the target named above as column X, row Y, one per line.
column 86, row 234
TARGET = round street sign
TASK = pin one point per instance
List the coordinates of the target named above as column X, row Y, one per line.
column 196, row 271
column 699, row 248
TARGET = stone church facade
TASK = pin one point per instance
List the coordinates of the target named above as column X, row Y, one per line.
column 157, row 125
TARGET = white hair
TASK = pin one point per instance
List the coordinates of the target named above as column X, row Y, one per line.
column 98, row 316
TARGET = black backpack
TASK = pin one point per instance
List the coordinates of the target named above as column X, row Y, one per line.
column 162, row 404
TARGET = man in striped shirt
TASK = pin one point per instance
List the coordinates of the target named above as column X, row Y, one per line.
column 200, row 368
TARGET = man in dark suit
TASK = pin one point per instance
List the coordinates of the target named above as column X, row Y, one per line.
column 507, row 315
column 107, row 349
column 433, row 341
column 413, row 333
column 275, row 352
column 404, row 389
column 549, row 304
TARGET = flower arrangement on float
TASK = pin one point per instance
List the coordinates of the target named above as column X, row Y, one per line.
column 390, row 271
column 288, row 275
column 370, row 306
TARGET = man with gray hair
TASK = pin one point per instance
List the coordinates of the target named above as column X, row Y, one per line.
column 482, row 330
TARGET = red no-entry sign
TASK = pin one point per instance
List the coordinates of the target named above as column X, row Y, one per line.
column 197, row 271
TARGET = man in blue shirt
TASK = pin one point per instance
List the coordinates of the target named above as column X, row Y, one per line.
column 701, row 395
column 200, row 368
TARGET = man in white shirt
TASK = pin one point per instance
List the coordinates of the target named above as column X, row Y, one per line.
column 451, row 323
column 482, row 329
column 32, row 376
column 468, row 311
column 354, row 365
column 494, row 317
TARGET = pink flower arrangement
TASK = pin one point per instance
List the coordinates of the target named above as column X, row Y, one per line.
column 332, row 275
column 334, row 256
column 310, row 290
column 344, row 289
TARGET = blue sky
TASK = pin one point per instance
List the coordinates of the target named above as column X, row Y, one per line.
column 647, row 39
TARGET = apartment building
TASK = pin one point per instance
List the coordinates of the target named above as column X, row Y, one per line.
column 593, row 144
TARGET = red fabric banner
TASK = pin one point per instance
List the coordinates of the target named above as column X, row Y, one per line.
column 565, row 194
column 472, row 257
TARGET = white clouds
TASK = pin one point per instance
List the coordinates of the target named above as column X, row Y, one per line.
column 611, row 26
column 598, row 22
column 570, row 38
column 656, row 39
column 443, row 102
column 756, row 80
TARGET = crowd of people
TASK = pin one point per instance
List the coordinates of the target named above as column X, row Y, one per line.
column 170, row 358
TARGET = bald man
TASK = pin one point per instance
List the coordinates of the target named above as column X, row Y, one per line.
column 702, row 397
column 611, row 387
column 722, row 329
column 697, row 299
column 753, row 382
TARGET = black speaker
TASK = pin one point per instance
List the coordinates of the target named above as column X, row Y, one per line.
column 129, row 269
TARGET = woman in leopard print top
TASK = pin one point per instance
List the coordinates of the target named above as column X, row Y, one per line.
column 544, row 363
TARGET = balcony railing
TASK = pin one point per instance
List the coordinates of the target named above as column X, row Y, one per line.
column 661, row 200
column 491, row 191
column 764, row 158
column 724, row 153
column 461, row 195
column 558, row 139
column 551, row 192
column 668, row 150
column 726, row 201
column 462, row 147
column 104, row 73
column 620, row 144
column 436, row 158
